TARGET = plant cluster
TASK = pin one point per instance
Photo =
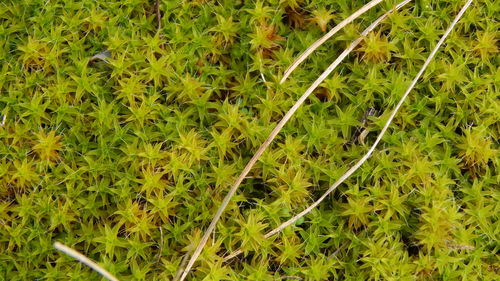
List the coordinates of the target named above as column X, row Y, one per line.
column 126, row 158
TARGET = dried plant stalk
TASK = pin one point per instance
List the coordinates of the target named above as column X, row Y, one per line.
column 327, row 36
column 83, row 259
column 379, row 137
column 273, row 134
column 181, row 265
column 158, row 14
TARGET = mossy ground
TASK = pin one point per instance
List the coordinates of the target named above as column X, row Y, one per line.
column 127, row 160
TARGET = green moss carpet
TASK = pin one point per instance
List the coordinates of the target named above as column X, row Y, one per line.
column 124, row 123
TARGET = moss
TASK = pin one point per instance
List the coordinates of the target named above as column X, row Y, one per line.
column 126, row 157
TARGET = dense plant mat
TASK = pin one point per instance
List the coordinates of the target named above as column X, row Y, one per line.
column 124, row 123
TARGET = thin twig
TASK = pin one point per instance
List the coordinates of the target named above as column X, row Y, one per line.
column 338, row 250
column 83, row 259
column 158, row 14
column 271, row 137
column 327, row 36
column 290, row 277
column 372, row 148
column 181, row 266
column 160, row 248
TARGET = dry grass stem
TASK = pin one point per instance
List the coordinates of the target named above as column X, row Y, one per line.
column 158, row 14
column 338, row 250
column 274, row 133
column 181, row 266
column 83, row 259
column 327, row 36
column 379, row 137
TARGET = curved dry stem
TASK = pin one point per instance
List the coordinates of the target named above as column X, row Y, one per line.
column 327, row 36
column 83, row 259
column 181, row 265
column 273, row 134
column 379, row 137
